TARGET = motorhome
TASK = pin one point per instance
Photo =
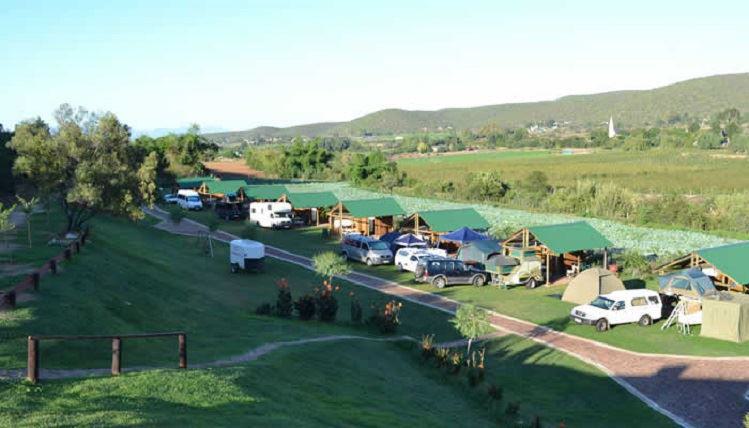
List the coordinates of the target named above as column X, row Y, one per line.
column 273, row 215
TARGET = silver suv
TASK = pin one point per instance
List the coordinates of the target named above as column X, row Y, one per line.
column 367, row 250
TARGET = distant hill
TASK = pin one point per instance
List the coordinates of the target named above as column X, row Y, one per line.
column 696, row 97
column 311, row 130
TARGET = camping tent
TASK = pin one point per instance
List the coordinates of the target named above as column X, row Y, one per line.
column 687, row 282
column 409, row 240
column 726, row 318
column 463, row 235
column 589, row 284
column 478, row 251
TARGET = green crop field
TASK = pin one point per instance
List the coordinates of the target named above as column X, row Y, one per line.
column 132, row 278
column 654, row 171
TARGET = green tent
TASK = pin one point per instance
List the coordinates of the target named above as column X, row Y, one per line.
column 568, row 237
column 478, row 251
column 449, row 220
column 309, row 200
column 726, row 318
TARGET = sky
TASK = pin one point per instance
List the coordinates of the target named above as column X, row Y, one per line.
column 237, row 65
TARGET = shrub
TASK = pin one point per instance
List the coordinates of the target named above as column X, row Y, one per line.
column 634, row 264
column 427, row 346
column 456, row 362
column 386, row 318
column 176, row 214
column 495, row 392
column 326, row 303
column 512, row 409
column 264, row 309
column 356, row 311
column 441, row 356
column 475, row 376
column 284, row 306
column 305, row 306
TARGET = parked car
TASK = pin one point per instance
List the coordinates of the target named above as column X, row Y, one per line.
column 406, row 259
column 440, row 272
column 170, row 198
column 274, row 215
column 230, row 210
column 189, row 200
column 619, row 307
column 365, row 249
column 245, row 254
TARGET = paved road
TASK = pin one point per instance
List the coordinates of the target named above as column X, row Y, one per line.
column 692, row 391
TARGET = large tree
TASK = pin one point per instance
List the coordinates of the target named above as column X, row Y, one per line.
column 88, row 162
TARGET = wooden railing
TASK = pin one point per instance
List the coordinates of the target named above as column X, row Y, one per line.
column 32, row 368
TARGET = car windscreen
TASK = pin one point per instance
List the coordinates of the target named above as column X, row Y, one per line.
column 602, row 302
column 193, row 199
column 378, row 245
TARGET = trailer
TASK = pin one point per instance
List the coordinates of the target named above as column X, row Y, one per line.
column 247, row 255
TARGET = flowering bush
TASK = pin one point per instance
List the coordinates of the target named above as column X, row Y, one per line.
column 386, row 317
column 326, row 304
column 305, row 307
column 284, row 306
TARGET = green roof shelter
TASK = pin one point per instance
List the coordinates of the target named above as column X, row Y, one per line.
column 565, row 243
column 727, row 265
column 438, row 222
column 366, row 216
column 312, row 205
column 223, row 189
column 266, row 192
column 193, row 182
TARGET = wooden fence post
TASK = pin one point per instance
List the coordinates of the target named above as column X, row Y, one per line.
column 32, row 364
column 35, row 277
column 182, row 339
column 116, row 356
column 10, row 297
column 53, row 265
column 67, row 253
column 77, row 246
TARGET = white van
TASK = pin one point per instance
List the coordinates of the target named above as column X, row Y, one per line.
column 189, row 200
column 619, row 307
column 274, row 215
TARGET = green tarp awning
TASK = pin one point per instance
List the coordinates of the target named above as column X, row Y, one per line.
column 225, row 187
column 449, row 220
column 265, row 191
column 732, row 260
column 567, row 237
column 193, row 182
column 380, row 207
column 312, row 200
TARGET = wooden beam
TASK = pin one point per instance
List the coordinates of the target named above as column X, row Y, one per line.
column 548, row 268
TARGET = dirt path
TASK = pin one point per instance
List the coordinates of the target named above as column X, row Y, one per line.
column 692, row 391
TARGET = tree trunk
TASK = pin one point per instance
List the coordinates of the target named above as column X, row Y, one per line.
column 468, row 352
column 28, row 228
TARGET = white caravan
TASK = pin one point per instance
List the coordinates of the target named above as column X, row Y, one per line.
column 274, row 215
column 246, row 255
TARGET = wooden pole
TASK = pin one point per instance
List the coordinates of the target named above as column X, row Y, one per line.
column 32, row 362
column 35, row 278
column 416, row 223
column 116, row 356
column 53, row 265
column 605, row 258
column 77, row 246
column 182, row 341
column 548, row 268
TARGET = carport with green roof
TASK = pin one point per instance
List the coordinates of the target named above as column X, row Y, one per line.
column 266, row 192
column 223, row 189
column 193, row 182
column 728, row 265
column 434, row 223
column 564, row 246
column 312, row 205
column 366, row 216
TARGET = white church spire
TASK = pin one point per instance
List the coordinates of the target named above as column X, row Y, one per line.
column 612, row 131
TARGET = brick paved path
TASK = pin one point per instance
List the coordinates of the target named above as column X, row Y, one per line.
column 692, row 391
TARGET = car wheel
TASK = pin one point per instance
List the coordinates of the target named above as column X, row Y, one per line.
column 645, row 321
column 344, row 255
column 602, row 325
column 234, row 267
column 369, row 261
column 400, row 268
column 439, row 282
column 531, row 283
column 479, row 281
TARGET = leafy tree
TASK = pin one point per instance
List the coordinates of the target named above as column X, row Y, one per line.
column 472, row 322
column 487, row 186
column 7, row 157
column 6, row 226
column 330, row 264
column 537, row 182
column 27, row 207
column 88, row 161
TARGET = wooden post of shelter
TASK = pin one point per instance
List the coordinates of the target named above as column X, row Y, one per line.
column 605, row 258
column 416, row 223
column 182, row 346
column 35, row 279
column 116, row 356
column 32, row 361
column 548, row 266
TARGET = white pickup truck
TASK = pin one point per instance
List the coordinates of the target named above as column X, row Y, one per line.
column 619, row 307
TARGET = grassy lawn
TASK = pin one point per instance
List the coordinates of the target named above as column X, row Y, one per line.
column 463, row 158
column 542, row 305
column 654, row 171
column 133, row 278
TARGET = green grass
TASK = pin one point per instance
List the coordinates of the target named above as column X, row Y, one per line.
column 654, row 171
column 471, row 157
column 132, row 278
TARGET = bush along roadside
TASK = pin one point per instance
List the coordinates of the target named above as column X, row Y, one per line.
column 452, row 364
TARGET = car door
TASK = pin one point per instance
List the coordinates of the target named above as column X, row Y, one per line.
column 411, row 263
column 618, row 313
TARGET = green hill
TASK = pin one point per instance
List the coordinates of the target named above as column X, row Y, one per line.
column 696, row 97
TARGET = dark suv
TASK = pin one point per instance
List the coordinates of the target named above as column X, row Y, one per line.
column 230, row 210
column 441, row 272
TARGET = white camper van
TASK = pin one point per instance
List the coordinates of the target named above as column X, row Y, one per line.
column 274, row 215
column 189, row 200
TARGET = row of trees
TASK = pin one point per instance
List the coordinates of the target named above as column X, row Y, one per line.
column 177, row 154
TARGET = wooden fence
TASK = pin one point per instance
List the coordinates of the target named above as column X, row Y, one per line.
column 32, row 281
column 32, row 367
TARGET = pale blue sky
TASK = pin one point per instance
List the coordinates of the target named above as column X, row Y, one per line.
column 237, row 65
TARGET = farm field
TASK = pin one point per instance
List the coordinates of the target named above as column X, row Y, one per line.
column 541, row 305
column 160, row 282
column 461, row 158
column 652, row 171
